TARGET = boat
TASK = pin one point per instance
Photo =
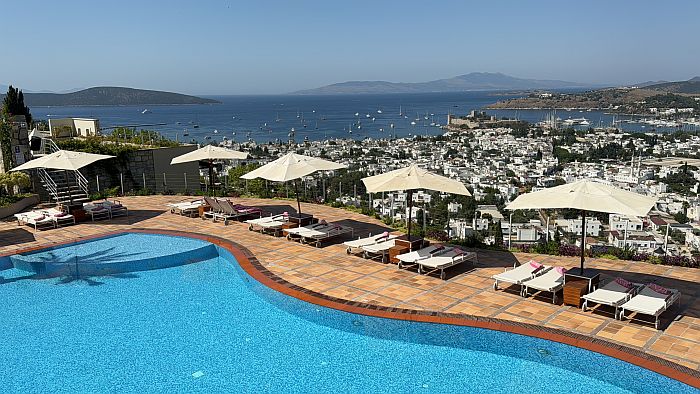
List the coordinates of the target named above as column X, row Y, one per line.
column 379, row 111
column 146, row 111
column 196, row 126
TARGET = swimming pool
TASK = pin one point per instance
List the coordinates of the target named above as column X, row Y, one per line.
column 202, row 324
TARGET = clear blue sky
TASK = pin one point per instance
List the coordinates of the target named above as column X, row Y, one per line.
column 236, row 47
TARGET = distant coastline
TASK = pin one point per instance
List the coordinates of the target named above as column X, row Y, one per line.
column 633, row 99
column 472, row 82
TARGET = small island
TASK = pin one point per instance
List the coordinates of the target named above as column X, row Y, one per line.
column 109, row 96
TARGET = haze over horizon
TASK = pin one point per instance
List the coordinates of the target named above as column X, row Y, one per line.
column 277, row 47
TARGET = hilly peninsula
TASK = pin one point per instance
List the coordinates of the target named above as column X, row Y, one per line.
column 477, row 81
column 632, row 99
column 110, row 96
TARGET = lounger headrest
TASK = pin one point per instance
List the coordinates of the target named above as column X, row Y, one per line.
column 624, row 283
column 659, row 289
column 561, row 270
column 322, row 222
column 535, row 264
column 459, row 252
column 285, row 213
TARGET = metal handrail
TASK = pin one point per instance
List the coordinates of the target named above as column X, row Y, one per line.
column 48, row 182
column 48, row 146
column 81, row 181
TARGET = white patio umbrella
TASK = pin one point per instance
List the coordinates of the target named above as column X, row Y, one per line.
column 292, row 167
column 62, row 160
column 409, row 179
column 586, row 195
column 210, row 153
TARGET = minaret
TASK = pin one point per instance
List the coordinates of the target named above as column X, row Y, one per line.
column 291, row 136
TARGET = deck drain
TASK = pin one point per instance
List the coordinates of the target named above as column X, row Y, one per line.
column 357, row 323
column 544, row 352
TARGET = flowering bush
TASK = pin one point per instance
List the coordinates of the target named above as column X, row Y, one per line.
column 438, row 235
column 608, row 252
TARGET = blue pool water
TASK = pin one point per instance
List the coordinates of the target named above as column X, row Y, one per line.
column 206, row 326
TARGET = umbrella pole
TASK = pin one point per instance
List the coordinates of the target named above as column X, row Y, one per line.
column 409, row 203
column 583, row 238
column 296, row 192
column 211, row 177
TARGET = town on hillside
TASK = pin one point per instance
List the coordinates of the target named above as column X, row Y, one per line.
column 498, row 159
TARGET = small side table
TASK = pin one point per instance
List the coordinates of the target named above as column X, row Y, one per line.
column 397, row 250
column 80, row 215
column 573, row 291
column 202, row 209
column 301, row 219
column 412, row 243
column 589, row 275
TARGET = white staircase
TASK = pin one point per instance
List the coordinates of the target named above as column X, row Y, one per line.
column 64, row 186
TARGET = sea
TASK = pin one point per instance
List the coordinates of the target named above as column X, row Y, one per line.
column 269, row 118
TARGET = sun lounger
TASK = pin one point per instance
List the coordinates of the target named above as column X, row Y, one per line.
column 551, row 281
column 115, row 208
column 296, row 232
column 215, row 208
column 228, row 212
column 518, row 274
column 614, row 294
column 252, row 223
column 96, row 211
column 355, row 246
column 445, row 260
column 186, row 208
column 35, row 219
column 325, row 234
column 248, row 210
column 651, row 300
column 378, row 250
column 269, row 224
column 411, row 258
column 59, row 217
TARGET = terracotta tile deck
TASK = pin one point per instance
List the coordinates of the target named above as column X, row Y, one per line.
column 329, row 270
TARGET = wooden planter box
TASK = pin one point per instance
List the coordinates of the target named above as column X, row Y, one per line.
column 19, row 206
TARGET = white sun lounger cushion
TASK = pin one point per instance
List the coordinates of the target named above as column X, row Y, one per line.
column 520, row 273
column 412, row 257
column 267, row 219
column 650, row 302
column 447, row 259
column 309, row 228
column 373, row 239
column 611, row 294
column 380, row 247
column 549, row 281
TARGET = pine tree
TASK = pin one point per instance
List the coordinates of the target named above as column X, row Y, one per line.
column 13, row 104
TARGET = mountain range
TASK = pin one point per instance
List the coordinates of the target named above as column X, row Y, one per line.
column 468, row 82
column 691, row 86
column 108, row 95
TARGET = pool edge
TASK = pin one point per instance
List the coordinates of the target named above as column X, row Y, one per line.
column 250, row 264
